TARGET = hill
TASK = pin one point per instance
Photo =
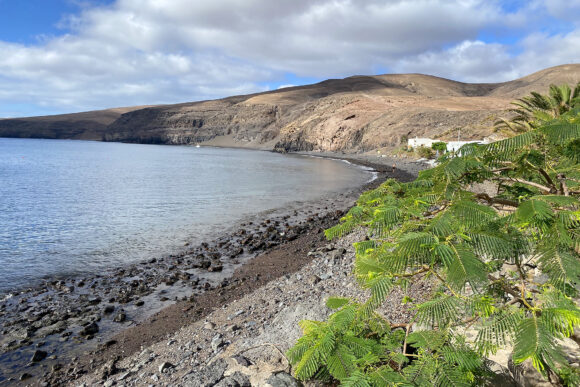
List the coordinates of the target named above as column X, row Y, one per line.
column 358, row 113
column 90, row 125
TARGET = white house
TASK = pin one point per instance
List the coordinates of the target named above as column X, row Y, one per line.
column 453, row 146
column 417, row 142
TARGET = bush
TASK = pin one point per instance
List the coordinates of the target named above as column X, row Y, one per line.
column 505, row 266
column 439, row 146
column 425, row 152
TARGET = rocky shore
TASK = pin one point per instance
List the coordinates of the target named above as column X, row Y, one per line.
column 243, row 342
column 58, row 332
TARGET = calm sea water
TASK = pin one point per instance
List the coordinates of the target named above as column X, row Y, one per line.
column 75, row 206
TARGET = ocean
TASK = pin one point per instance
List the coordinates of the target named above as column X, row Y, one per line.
column 72, row 207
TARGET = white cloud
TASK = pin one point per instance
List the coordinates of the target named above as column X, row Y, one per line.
column 146, row 51
column 468, row 61
column 476, row 61
column 564, row 9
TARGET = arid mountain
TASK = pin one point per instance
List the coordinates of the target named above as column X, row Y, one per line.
column 353, row 114
column 90, row 125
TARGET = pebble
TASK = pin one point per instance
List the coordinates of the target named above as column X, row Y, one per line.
column 165, row 366
column 108, row 309
column 216, row 342
column 25, row 376
column 233, row 328
column 120, row 317
column 38, row 356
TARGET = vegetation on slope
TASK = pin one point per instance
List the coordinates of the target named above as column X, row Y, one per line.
column 507, row 266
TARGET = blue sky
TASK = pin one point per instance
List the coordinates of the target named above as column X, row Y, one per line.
column 33, row 21
column 60, row 56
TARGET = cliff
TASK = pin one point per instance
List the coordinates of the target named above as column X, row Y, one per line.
column 358, row 113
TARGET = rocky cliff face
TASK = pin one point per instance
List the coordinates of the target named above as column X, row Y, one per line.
column 352, row 114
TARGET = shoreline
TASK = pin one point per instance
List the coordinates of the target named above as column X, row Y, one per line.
column 71, row 342
column 243, row 342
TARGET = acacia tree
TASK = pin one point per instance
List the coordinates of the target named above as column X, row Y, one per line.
column 505, row 266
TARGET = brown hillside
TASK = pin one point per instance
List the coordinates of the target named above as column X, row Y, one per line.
column 540, row 81
column 353, row 114
column 89, row 125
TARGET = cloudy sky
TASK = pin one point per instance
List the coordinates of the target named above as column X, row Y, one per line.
column 72, row 55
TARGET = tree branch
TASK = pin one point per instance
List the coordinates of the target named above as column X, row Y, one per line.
column 547, row 178
column 455, row 294
column 509, row 290
column 563, row 187
column 424, row 269
column 407, row 329
column 432, row 213
column 504, row 286
column 523, row 284
column 490, row 200
column 502, row 169
column 530, row 183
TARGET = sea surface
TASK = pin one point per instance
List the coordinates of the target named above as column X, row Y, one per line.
column 69, row 207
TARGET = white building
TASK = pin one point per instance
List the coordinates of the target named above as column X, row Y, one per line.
column 417, row 142
column 452, row 146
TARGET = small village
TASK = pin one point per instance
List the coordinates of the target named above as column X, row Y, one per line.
column 451, row 146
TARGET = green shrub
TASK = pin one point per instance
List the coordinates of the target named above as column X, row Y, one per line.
column 439, row 146
column 486, row 255
column 425, row 152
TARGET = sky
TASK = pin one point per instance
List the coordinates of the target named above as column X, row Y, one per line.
column 60, row 56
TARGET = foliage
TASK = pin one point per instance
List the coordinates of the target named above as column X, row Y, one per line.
column 439, row 146
column 537, row 109
column 425, row 152
column 505, row 268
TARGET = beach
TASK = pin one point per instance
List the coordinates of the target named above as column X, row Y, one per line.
column 76, row 326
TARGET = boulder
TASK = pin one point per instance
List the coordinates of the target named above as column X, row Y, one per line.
column 237, row 379
column 90, row 329
column 209, row 376
column 58, row 327
column 526, row 375
column 283, row 379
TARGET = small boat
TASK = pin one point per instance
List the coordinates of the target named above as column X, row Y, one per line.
column 197, row 146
